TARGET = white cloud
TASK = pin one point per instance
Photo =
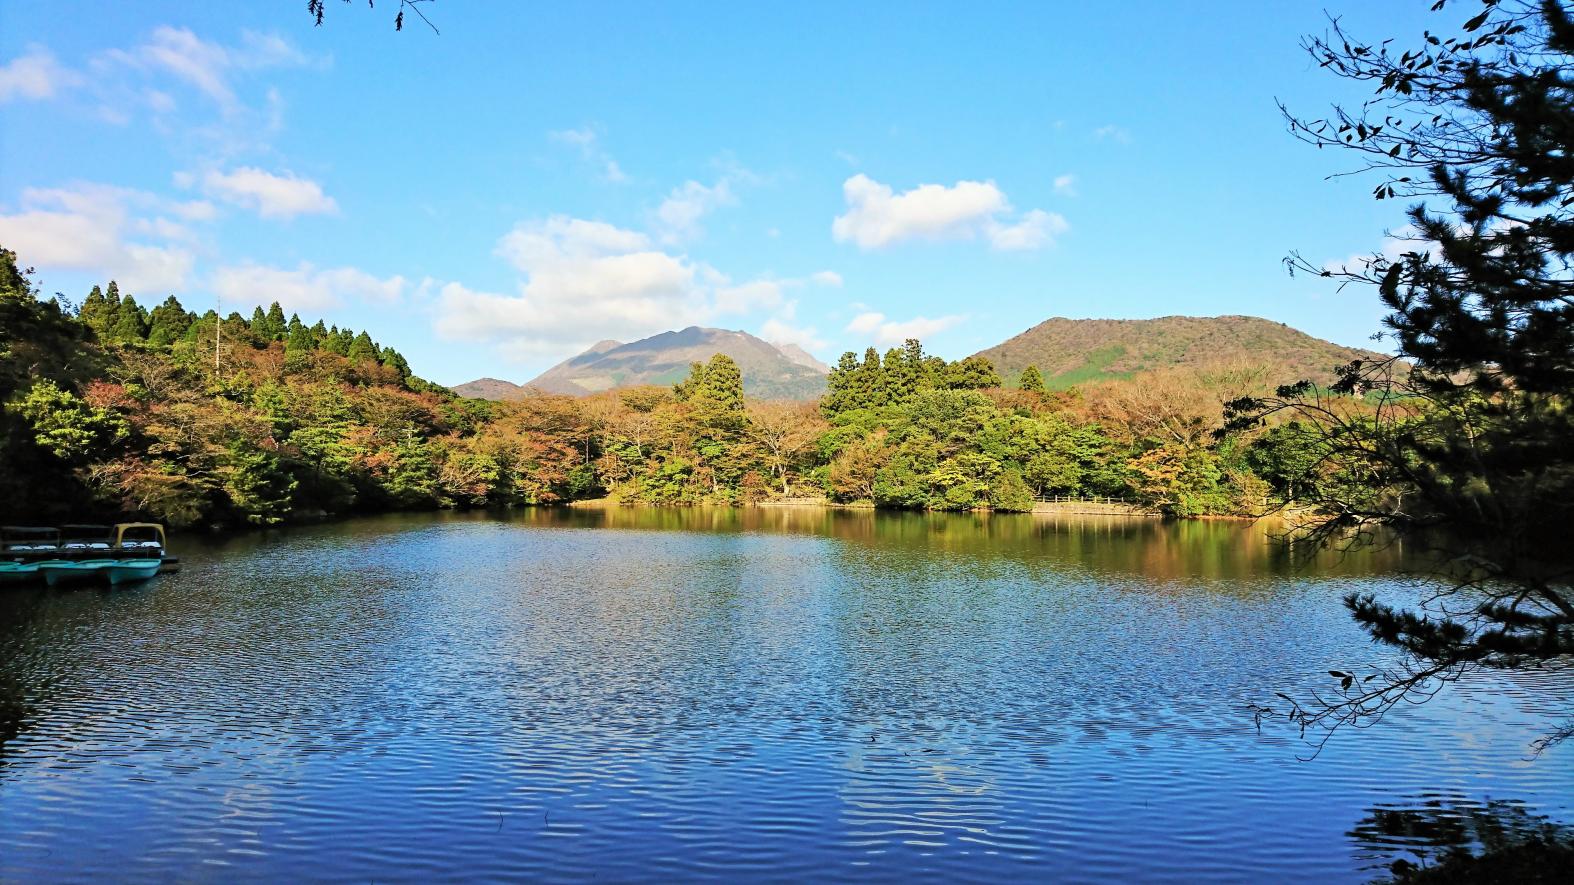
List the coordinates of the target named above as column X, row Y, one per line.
column 888, row 334
column 1066, row 185
column 678, row 217
column 587, row 141
column 303, row 288
column 866, row 322
column 272, row 196
column 1036, row 230
column 877, row 216
column 204, row 65
column 87, row 227
column 34, row 75
column 1394, row 245
column 588, row 280
column 782, row 328
column 750, row 296
column 1111, row 132
column 585, row 280
column 766, row 294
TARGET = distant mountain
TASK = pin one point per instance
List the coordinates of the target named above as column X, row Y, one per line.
column 801, row 357
column 489, row 388
column 1069, row 352
column 769, row 371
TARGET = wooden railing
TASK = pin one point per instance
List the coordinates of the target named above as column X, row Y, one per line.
column 1085, row 499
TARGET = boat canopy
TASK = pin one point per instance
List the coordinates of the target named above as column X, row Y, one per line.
column 140, row 532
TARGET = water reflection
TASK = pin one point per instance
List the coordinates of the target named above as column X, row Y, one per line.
column 692, row 694
column 1407, row 837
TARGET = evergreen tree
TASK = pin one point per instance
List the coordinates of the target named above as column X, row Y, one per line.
column 394, row 360
column 299, row 342
column 131, row 322
column 339, row 341
column 721, row 385
column 295, row 323
column 684, row 390
column 95, row 312
column 277, row 327
column 840, row 384
column 362, row 350
column 972, row 373
column 319, row 334
column 869, row 382
column 1474, row 452
column 168, row 322
column 259, row 323
column 1031, row 380
column 903, row 372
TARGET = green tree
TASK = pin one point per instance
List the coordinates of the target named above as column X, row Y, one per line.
column 1470, row 447
column 1010, row 493
column 972, row 373
column 868, row 387
column 394, row 360
column 168, row 322
column 95, row 312
column 362, row 350
column 277, row 327
column 721, row 386
column 299, row 342
column 68, row 427
column 840, row 386
column 131, row 322
column 1031, row 380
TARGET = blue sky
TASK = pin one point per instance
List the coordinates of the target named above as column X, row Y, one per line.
column 494, row 199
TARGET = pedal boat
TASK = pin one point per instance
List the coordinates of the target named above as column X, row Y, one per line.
column 21, row 550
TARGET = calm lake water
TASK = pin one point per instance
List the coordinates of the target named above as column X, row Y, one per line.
column 778, row 694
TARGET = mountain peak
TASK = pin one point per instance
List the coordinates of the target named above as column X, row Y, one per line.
column 769, row 371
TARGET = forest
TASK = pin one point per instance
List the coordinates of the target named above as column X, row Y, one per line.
column 113, row 409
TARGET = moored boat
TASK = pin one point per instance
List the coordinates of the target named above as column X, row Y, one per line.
column 83, row 553
column 127, row 553
column 21, row 549
column 139, row 552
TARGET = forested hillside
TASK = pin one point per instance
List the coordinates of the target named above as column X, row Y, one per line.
column 1070, row 352
column 115, row 410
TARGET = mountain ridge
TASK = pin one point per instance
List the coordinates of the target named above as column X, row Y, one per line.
column 1068, row 352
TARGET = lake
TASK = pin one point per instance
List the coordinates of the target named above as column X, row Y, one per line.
column 766, row 693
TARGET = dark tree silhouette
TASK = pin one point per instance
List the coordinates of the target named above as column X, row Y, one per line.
column 1467, row 445
column 317, row 9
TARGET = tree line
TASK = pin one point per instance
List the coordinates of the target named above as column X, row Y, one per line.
column 193, row 419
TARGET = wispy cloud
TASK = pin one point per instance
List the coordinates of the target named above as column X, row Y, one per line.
column 888, row 333
column 1111, row 132
column 35, row 75
column 587, row 142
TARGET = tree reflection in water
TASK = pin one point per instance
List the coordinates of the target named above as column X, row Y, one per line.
column 1453, row 839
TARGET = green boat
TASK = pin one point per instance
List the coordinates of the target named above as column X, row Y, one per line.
column 84, row 551
column 139, row 548
column 127, row 553
column 21, row 549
